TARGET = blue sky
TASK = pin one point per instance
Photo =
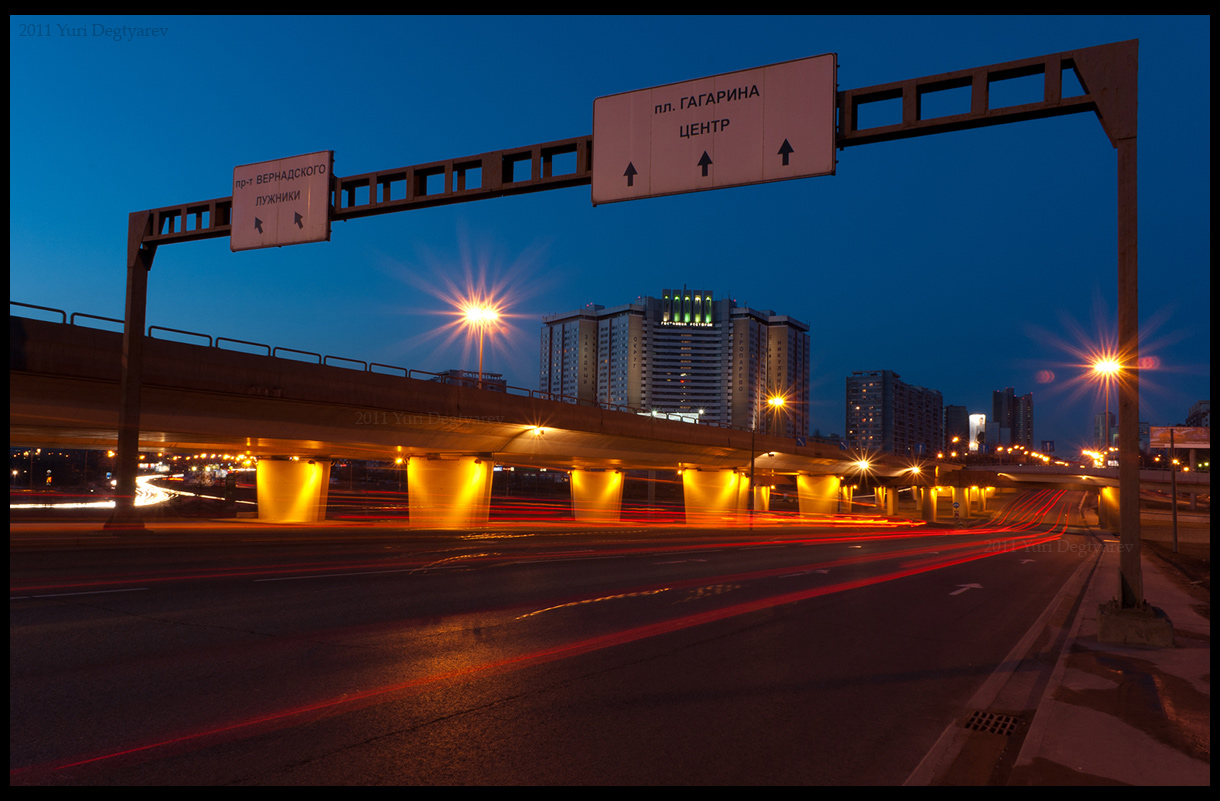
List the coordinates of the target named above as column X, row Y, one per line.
column 966, row 262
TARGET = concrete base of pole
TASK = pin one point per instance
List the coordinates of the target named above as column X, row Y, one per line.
column 1143, row 625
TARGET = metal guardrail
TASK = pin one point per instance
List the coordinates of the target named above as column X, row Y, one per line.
column 242, row 342
column 72, row 319
column 368, row 367
column 152, row 328
column 63, row 315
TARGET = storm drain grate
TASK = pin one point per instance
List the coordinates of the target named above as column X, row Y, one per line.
column 992, row 723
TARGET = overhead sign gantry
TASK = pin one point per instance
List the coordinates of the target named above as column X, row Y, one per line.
column 1108, row 75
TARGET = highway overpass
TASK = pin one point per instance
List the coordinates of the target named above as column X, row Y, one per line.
column 298, row 415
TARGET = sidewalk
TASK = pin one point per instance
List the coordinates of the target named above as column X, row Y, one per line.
column 1115, row 714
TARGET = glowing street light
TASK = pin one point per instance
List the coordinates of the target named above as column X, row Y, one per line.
column 1106, row 369
column 776, row 402
column 480, row 315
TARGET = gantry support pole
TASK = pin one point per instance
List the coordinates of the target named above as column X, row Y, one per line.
column 1131, row 583
column 139, row 262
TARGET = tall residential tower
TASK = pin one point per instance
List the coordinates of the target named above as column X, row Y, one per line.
column 686, row 353
column 1014, row 417
column 886, row 414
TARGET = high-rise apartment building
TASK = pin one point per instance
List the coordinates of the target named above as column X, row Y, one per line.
column 889, row 415
column 1200, row 414
column 686, row 353
column 957, row 429
column 1014, row 416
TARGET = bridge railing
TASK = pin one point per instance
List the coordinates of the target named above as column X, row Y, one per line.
column 347, row 363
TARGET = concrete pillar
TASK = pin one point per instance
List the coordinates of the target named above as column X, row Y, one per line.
column 983, row 492
column 714, row 497
column 847, row 493
column 891, row 501
column 597, row 497
column 928, row 504
column 962, row 497
column 1107, row 509
column 817, row 495
column 292, row 491
column 1193, row 494
column 762, row 499
column 448, row 493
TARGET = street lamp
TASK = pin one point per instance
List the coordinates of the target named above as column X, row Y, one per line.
column 776, row 402
column 1106, row 368
column 480, row 316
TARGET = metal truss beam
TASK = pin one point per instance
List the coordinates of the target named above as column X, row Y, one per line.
column 1106, row 73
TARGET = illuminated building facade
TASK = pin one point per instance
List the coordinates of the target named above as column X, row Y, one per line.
column 888, row 415
column 686, row 352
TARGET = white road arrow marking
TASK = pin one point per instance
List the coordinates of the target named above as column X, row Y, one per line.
column 965, row 587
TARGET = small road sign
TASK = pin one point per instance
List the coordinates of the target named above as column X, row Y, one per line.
column 282, row 202
column 764, row 124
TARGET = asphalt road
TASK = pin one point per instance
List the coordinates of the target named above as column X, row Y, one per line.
column 651, row 656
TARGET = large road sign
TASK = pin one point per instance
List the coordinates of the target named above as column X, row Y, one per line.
column 282, row 202
column 764, row 124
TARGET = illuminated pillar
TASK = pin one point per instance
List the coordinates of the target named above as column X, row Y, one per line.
column 983, row 493
column 448, row 493
column 847, row 492
column 711, row 496
column 967, row 498
column 886, row 499
column 597, row 497
column 762, row 499
column 292, row 491
column 928, row 504
column 961, row 497
column 1107, row 509
column 817, row 495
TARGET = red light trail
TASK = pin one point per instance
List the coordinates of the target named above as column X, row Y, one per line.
column 1005, row 538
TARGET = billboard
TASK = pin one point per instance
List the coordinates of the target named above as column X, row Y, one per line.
column 1183, row 437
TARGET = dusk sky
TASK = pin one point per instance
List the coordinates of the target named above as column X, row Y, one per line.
column 966, row 262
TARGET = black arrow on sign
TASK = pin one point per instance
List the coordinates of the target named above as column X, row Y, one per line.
column 630, row 173
column 784, row 150
column 298, row 216
column 703, row 162
column 258, row 224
